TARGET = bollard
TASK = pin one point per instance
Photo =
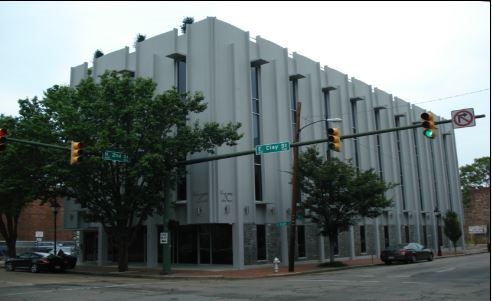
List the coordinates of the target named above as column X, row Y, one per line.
column 276, row 261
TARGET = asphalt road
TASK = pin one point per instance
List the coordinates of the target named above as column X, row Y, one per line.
column 454, row 278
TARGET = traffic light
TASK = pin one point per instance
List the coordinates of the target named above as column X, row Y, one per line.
column 75, row 153
column 334, row 139
column 429, row 125
column 3, row 139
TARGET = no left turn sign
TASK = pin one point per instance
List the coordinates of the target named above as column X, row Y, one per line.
column 463, row 118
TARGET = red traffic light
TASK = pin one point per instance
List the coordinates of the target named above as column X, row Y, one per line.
column 3, row 139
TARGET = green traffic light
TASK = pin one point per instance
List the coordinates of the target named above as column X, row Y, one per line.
column 429, row 133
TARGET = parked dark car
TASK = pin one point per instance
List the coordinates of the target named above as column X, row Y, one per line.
column 35, row 262
column 67, row 253
column 410, row 252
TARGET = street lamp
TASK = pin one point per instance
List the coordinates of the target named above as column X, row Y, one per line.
column 54, row 208
column 295, row 183
column 439, row 237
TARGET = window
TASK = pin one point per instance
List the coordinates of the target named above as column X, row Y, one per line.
column 386, row 236
column 336, row 250
column 446, row 169
column 425, row 235
column 400, row 163
column 256, row 121
column 363, row 248
column 261, row 242
column 419, row 178
column 354, row 131
column 301, row 241
column 433, row 160
column 407, row 234
column 293, row 103
column 377, row 119
column 326, row 98
column 180, row 82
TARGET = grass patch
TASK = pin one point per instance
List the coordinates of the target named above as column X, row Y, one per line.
column 336, row 264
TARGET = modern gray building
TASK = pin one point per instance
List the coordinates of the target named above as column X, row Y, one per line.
column 235, row 211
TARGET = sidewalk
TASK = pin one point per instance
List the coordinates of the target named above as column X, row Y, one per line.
column 228, row 272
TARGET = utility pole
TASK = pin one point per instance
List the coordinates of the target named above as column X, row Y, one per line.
column 295, row 191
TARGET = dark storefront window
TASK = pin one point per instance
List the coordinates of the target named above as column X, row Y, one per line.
column 386, row 237
column 261, row 242
column 200, row 244
column 301, row 241
column 363, row 248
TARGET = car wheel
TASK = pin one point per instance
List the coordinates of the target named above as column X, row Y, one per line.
column 387, row 262
column 34, row 268
column 413, row 259
column 9, row 267
column 431, row 257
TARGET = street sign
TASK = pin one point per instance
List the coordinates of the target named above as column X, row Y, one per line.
column 115, row 156
column 463, row 118
column 272, row 148
column 283, row 224
column 482, row 229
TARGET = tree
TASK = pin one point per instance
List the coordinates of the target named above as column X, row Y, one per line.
column 186, row 21
column 337, row 196
column 20, row 184
column 123, row 114
column 452, row 227
column 140, row 38
column 474, row 176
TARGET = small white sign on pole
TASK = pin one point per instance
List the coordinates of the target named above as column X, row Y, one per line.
column 39, row 234
column 164, row 238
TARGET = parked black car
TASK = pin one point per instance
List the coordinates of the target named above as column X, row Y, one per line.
column 410, row 252
column 35, row 262
column 69, row 259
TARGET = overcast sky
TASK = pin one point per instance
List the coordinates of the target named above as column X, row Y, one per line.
column 433, row 54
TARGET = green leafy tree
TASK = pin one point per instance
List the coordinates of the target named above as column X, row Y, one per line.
column 337, row 196
column 23, row 168
column 474, row 176
column 186, row 21
column 452, row 227
column 123, row 114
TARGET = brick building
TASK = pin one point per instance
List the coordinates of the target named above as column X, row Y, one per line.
column 476, row 214
column 37, row 217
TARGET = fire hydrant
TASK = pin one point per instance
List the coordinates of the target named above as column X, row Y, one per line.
column 276, row 261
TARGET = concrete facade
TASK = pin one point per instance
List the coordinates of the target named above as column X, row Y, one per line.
column 219, row 60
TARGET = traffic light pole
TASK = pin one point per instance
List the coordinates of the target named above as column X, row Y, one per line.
column 38, row 143
column 250, row 152
column 295, row 191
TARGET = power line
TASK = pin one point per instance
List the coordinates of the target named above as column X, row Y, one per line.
column 453, row 96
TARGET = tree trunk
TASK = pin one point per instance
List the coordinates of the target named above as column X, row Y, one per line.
column 122, row 254
column 332, row 248
column 8, row 229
